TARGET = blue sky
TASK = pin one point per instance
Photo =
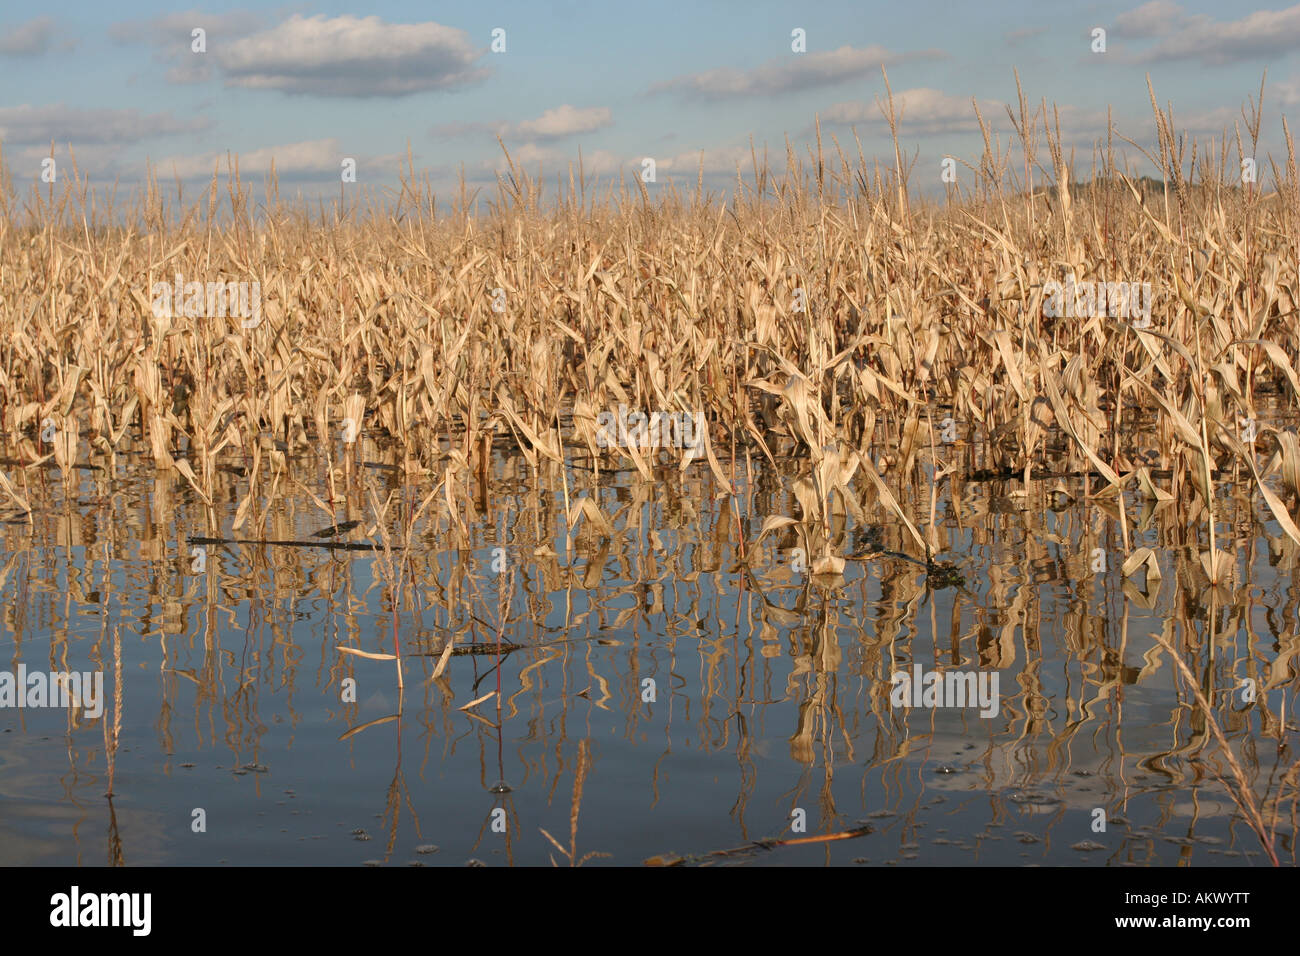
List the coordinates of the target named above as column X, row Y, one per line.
column 310, row 85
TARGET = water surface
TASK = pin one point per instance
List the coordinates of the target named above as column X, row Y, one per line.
column 661, row 696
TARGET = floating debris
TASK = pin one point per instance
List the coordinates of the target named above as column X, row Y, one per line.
column 267, row 542
column 334, row 530
column 753, row 848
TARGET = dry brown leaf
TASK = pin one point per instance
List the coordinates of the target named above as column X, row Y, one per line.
column 367, row 654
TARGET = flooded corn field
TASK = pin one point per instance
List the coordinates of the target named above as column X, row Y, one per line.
column 641, row 676
column 690, row 445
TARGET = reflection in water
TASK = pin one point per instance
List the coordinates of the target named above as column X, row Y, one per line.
column 632, row 667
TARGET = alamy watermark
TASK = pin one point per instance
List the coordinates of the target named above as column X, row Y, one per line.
column 657, row 430
column 1088, row 300
column 946, row 689
column 242, row 300
column 75, row 909
column 53, row 689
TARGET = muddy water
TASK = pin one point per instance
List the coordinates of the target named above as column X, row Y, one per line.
column 656, row 699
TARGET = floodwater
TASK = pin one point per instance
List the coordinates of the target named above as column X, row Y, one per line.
column 657, row 701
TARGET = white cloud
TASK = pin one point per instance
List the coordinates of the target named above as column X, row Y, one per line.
column 40, row 124
column 1183, row 36
column 98, row 162
column 920, row 110
column 554, row 124
column 718, row 161
column 564, row 121
column 347, row 56
column 1157, row 18
column 307, row 159
column 27, row 39
column 795, row 72
column 594, row 163
column 172, row 39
